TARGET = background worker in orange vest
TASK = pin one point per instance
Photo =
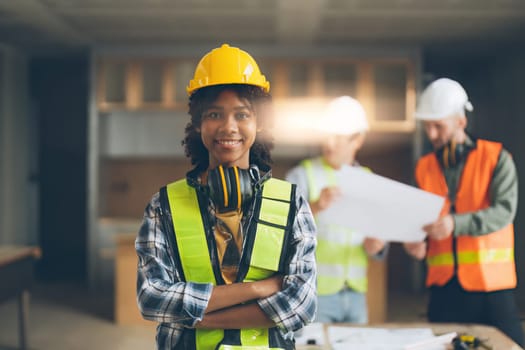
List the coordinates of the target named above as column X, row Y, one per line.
column 469, row 250
column 342, row 252
column 226, row 254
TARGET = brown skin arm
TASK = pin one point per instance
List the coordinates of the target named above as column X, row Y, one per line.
column 237, row 317
column 229, row 295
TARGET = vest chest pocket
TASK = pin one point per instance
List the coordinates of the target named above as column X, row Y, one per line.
column 266, row 252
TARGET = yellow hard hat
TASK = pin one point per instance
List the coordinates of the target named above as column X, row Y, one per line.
column 227, row 65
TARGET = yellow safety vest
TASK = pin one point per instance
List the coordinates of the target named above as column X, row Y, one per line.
column 339, row 262
column 265, row 244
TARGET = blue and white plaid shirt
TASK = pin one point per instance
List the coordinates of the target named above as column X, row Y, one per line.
column 163, row 297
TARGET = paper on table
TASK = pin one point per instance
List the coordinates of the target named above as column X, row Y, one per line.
column 382, row 208
column 365, row 338
column 437, row 342
column 311, row 334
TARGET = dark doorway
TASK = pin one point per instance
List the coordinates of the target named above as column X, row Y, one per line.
column 60, row 93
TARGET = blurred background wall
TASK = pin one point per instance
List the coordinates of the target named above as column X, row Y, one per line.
column 92, row 103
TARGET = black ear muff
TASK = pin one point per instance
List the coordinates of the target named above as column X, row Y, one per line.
column 229, row 188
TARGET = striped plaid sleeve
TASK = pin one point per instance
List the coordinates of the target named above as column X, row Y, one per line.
column 161, row 295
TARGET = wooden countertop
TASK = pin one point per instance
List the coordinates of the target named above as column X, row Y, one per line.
column 126, row 238
column 12, row 253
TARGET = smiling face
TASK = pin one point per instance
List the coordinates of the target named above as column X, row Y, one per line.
column 228, row 129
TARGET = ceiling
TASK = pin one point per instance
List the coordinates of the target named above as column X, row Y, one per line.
column 36, row 25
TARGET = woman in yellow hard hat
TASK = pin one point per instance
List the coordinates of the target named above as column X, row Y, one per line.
column 226, row 255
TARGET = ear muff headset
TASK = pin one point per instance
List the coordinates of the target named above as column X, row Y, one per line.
column 451, row 154
column 229, row 188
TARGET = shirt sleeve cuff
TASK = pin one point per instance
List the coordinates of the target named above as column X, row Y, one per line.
column 195, row 301
column 266, row 304
column 461, row 224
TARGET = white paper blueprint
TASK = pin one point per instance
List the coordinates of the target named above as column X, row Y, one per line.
column 364, row 338
column 382, row 208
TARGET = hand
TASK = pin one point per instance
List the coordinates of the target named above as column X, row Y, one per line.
column 441, row 228
column 327, row 196
column 417, row 250
column 373, row 245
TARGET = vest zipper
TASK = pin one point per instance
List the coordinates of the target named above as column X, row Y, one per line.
column 460, row 167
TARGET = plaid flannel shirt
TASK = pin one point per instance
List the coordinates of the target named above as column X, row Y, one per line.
column 163, row 297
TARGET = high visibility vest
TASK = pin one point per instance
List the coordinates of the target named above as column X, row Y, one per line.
column 484, row 263
column 341, row 258
column 264, row 247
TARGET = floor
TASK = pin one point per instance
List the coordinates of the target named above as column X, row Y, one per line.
column 68, row 317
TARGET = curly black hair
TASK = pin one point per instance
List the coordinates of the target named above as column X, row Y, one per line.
column 203, row 98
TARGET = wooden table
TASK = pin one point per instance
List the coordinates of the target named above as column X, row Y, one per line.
column 16, row 274
column 494, row 336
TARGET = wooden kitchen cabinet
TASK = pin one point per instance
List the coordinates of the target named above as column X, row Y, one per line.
column 126, row 309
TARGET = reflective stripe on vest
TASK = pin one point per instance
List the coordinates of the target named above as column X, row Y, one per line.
column 341, row 258
column 194, row 254
column 474, row 257
column 485, row 263
column 271, row 226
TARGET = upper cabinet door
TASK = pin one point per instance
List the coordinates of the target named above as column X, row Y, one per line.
column 385, row 87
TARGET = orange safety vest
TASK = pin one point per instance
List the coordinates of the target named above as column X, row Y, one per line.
column 484, row 263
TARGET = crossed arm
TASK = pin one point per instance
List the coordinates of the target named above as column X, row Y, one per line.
column 226, row 309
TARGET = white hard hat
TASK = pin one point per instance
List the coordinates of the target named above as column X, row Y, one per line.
column 441, row 99
column 344, row 116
